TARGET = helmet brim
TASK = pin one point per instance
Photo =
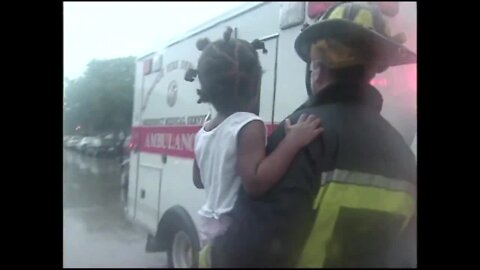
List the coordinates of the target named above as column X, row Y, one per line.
column 352, row 33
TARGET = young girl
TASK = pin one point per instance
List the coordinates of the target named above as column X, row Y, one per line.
column 230, row 149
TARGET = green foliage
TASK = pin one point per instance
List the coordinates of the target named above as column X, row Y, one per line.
column 102, row 99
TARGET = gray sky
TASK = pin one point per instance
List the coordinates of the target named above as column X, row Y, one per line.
column 103, row 30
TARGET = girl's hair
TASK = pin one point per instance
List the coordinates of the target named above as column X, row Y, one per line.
column 229, row 71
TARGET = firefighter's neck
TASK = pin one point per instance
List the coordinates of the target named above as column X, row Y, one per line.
column 325, row 77
column 321, row 85
column 361, row 84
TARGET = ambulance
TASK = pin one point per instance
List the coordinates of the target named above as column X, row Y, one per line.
column 166, row 116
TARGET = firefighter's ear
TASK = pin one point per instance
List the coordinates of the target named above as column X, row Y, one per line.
column 259, row 45
column 400, row 38
column 190, row 75
column 202, row 43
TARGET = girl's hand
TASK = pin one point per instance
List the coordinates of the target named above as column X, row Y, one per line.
column 304, row 131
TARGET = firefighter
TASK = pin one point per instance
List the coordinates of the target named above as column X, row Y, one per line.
column 349, row 197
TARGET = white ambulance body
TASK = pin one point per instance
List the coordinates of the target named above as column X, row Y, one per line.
column 161, row 194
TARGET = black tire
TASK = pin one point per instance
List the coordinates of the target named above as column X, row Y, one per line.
column 182, row 229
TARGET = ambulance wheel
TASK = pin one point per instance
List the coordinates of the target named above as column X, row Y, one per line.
column 184, row 245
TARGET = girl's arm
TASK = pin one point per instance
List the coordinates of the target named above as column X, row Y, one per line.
column 260, row 172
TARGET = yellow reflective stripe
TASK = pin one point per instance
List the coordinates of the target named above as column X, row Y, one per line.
column 313, row 254
column 319, row 197
column 204, row 257
column 365, row 18
column 337, row 13
column 367, row 179
column 339, row 195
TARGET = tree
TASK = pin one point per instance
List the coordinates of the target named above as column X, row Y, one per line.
column 102, row 99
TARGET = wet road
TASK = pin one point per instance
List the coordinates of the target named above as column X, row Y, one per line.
column 96, row 232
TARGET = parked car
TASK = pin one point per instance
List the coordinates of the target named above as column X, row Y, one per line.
column 88, row 142
column 107, row 147
column 73, row 141
column 66, row 138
